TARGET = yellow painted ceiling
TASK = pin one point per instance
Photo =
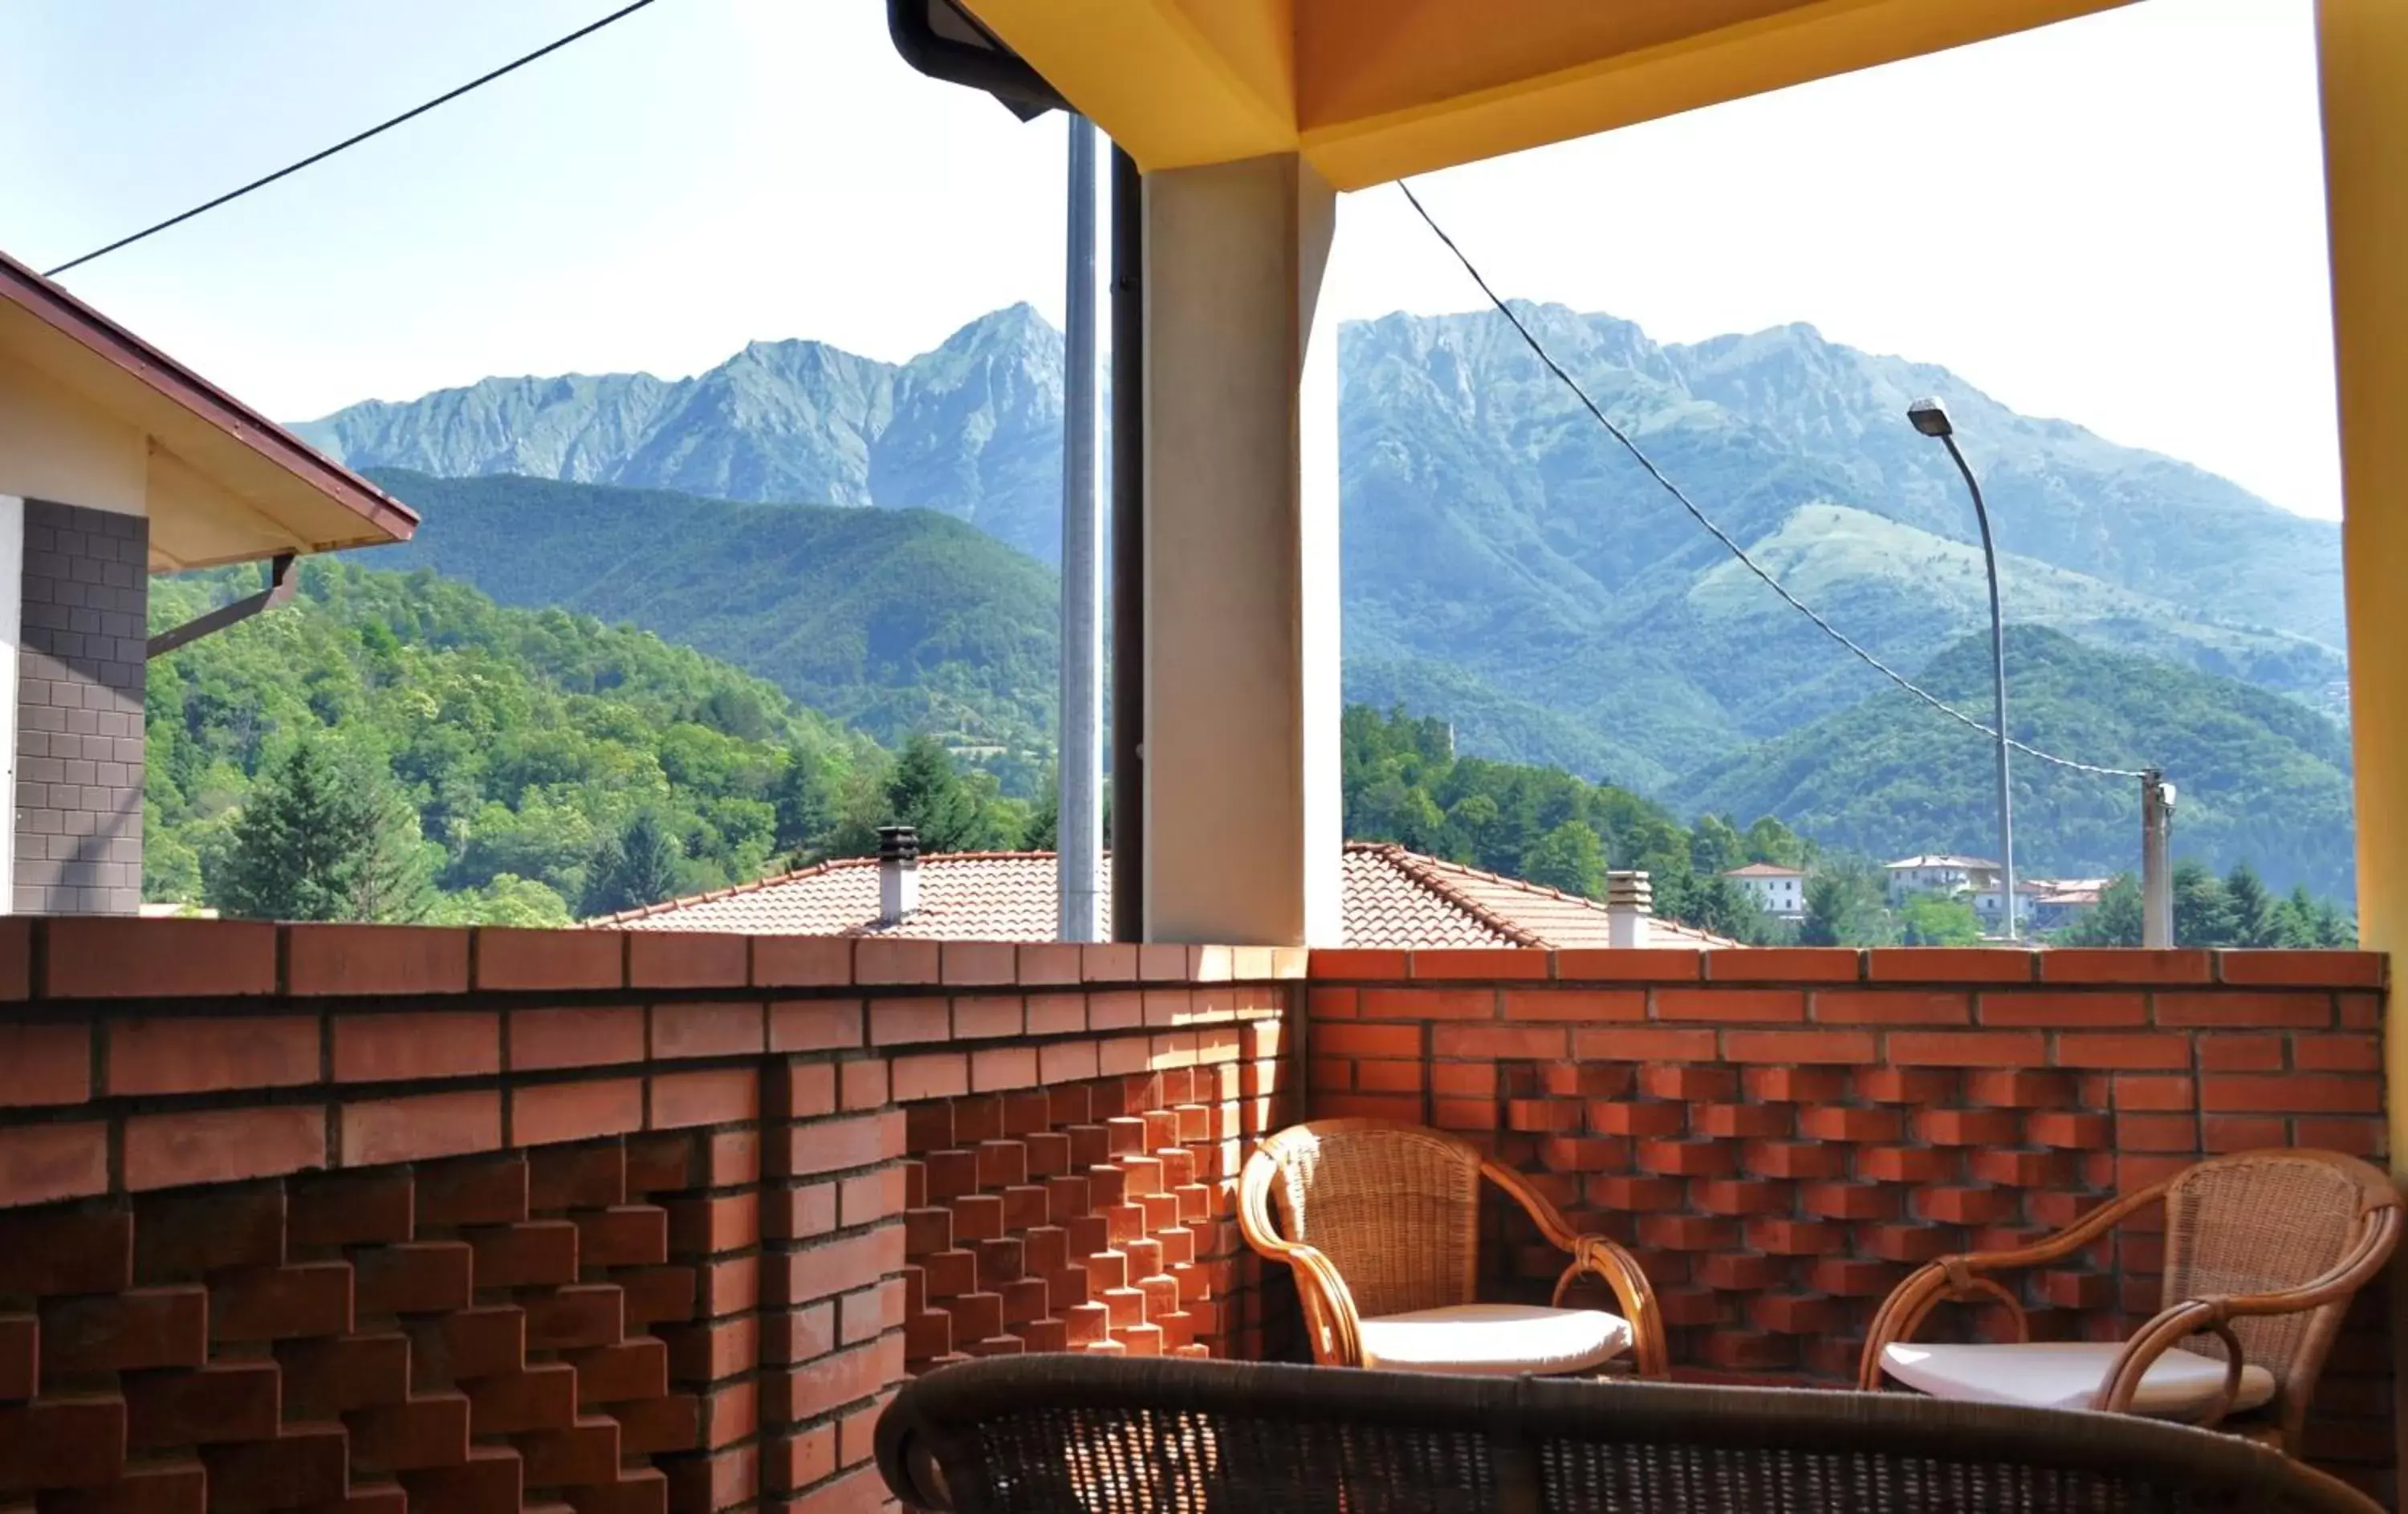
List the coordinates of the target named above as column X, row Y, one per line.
column 1375, row 90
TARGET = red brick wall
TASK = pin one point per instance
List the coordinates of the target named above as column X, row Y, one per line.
column 340, row 1216
column 1782, row 1134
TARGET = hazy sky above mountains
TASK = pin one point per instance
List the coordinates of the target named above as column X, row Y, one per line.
column 2119, row 220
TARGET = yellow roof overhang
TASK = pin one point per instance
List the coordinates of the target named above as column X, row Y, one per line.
column 1374, row 89
column 129, row 429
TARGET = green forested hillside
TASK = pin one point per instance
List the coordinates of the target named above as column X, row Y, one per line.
column 894, row 621
column 419, row 751
column 524, row 742
column 2261, row 779
column 1404, row 783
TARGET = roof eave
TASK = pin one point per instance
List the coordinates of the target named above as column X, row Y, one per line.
column 71, row 318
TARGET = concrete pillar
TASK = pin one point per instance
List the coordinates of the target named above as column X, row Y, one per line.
column 1243, row 833
column 2362, row 56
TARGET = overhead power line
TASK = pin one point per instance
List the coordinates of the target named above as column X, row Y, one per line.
column 1723, row 537
column 322, row 156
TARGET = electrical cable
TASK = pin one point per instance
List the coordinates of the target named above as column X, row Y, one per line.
column 350, row 141
column 1719, row 534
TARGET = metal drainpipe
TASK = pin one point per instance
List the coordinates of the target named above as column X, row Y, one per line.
column 1128, row 550
column 1080, row 828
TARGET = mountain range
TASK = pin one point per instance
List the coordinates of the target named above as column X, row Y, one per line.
column 1507, row 565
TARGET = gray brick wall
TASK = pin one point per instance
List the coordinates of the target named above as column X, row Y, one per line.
column 79, row 712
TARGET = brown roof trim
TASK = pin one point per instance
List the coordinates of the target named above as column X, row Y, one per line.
column 72, row 318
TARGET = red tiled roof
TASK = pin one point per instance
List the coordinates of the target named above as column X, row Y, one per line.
column 1392, row 898
column 1764, row 870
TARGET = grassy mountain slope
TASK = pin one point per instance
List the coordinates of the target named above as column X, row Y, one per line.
column 894, row 621
column 2261, row 779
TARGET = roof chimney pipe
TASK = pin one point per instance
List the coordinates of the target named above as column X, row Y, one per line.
column 1629, row 900
column 898, row 874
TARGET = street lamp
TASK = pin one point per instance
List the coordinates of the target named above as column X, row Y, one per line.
column 1931, row 419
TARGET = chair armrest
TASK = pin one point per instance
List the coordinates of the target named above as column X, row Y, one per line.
column 2153, row 1340
column 1962, row 1277
column 1329, row 1313
column 1594, row 1254
column 1598, row 1255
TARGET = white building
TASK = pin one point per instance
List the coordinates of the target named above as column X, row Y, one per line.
column 2064, row 900
column 1778, row 891
column 1941, row 873
column 2028, row 892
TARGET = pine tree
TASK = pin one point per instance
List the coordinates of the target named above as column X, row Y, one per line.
column 2256, row 917
column 2333, row 929
column 642, row 865
column 2296, row 917
column 2202, row 916
column 926, row 792
column 324, row 836
column 1045, row 821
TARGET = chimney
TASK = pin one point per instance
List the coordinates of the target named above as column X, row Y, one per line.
column 898, row 874
column 1630, row 899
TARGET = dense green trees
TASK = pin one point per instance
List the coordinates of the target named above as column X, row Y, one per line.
column 1845, row 905
column 1932, row 920
column 2236, row 910
column 1403, row 783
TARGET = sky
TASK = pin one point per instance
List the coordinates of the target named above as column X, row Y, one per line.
column 2118, row 220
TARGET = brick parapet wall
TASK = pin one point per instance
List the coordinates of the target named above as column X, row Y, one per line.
column 1781, row 1135
column 320, row 1215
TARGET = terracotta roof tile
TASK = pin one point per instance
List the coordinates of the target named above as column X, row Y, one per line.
column 1393, row 898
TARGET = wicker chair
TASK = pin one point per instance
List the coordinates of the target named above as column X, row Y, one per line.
column 2263, row 1252
column 1048, row 1434
column 1381, row 1224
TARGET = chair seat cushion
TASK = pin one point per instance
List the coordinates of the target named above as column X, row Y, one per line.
column 2068, row 1374
column 1503, row 1339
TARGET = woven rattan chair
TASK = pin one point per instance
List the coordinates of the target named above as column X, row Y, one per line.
column 1381, row 1224
column 2263, row 1252
column 1049, row 1434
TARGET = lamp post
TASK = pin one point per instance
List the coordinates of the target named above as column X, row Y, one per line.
column 1931, row 419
